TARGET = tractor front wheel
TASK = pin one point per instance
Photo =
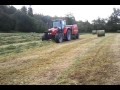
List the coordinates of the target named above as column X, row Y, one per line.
column 59, row 37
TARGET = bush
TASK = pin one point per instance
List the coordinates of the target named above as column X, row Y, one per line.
column 118, row 31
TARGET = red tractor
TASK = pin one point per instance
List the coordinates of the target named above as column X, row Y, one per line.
column 61, row 31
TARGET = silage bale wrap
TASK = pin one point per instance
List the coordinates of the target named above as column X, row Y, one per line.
column 94, row 31
column 118, row 31
column 100, row 33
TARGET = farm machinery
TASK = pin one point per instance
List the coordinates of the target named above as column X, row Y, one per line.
column 60, row 31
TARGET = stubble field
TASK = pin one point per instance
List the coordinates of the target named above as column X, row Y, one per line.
column 26, row 59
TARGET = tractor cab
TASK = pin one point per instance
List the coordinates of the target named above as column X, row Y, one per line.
column 60, row 24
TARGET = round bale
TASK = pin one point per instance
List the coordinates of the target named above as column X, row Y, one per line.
column 94, row 31
column 118, row 31
column 100, row 33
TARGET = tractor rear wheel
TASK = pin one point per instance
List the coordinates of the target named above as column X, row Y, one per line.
column 59, row 37
column 68, row 35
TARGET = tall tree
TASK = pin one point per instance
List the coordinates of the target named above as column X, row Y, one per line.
column 6, row 22
column 114, row 20
column 99, row 23
column 30, row 11
column 24, row 10
column 11, row 10
column 70, row 19
column 24, row 23
column 84, row 27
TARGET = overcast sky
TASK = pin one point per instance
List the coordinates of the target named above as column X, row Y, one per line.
column 81, row 12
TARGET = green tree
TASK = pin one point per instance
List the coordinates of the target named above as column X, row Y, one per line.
column 30, row 11
column 113, row 23
column 41, row 25
column 84, row 27
column 24, row 23
column 4, row 8
column 99, row 23
column 24, row 10
column 11, row 10
column 70, row 19
column 6, row 22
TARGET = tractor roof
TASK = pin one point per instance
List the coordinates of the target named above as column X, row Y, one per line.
column 58, row 20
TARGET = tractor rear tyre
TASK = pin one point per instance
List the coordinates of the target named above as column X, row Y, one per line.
column 59, row 37
column 68, row 35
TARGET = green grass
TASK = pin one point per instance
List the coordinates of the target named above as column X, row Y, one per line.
column 18, row 42
column 11, row 38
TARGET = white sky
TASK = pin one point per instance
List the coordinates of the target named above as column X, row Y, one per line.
column 81, row 12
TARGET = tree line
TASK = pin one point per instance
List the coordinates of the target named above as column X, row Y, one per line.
column 23, row 20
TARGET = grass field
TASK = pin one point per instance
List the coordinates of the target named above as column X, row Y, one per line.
column 26, row 59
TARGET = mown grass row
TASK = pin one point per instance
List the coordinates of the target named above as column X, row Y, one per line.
column 11, row 38
column 20, row 48
column 18, row 42
column 17, row 34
